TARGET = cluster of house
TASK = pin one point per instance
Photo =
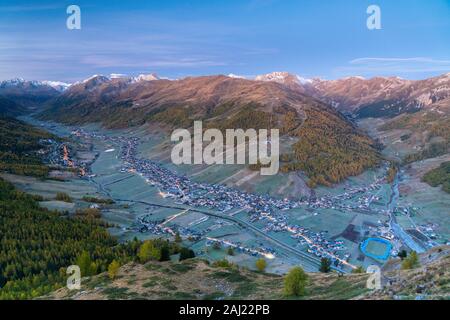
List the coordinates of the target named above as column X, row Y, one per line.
column 58, row 154
column 237, row 246
column 429, row 230
column 357, row 198
column 182, row 189
column 146, row 224
column 50, row 153
column 317, row 243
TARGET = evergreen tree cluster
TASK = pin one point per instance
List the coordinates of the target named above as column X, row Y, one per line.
column 37, row 245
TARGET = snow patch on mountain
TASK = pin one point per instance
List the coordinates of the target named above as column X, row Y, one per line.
column 235, row 76
column 12, row 82
column 283, row 77
column 117, row 76
column 57, row 85
column 146, row 77
column 20, row 82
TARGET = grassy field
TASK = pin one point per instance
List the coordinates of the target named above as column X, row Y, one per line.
column 195, row 279
column 376, row 248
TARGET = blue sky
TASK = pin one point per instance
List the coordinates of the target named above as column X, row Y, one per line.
column 327, row 39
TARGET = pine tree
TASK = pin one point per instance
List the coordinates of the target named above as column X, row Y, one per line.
column 325, row 265
column 85, row 263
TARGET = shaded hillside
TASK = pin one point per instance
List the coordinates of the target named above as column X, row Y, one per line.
column 434, row 128
column 352, row 93
column 29, row 94
column 226, row 103
column 10, row 108
column 36, row 245
column 19, row 144
column 431, row 280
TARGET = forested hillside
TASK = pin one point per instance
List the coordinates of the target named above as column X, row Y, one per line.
column 329, row 150
column 434, row 126
column 439, row 177
column 10, row 108
column 36, row 245
column 19, row 143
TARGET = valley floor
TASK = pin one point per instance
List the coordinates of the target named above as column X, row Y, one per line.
column 347, row 213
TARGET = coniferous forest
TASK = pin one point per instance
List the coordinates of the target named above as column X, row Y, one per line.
column 37, row 245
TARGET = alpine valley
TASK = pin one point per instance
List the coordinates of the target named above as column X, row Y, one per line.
column 364, row 180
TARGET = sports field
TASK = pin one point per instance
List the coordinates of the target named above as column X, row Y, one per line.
column 376, row 248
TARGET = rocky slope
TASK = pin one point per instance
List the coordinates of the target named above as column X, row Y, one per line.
column 429, row 281
column 196, row 279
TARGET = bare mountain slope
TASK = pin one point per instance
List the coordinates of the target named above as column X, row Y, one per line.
column 375, row 97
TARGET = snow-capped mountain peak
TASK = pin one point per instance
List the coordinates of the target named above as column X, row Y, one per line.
column 304, row 80
column 283, row 77
column 57, row 85
column 95, row 76
column 118, row 76
column 20, row 82
column 147, row 77
column 235, row 76
column 12, row 82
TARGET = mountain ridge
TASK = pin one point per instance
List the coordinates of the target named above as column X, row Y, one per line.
column 321, row 132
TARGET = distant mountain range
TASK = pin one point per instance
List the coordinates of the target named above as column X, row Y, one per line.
column 34, row 94
column 29, row 94
column 375, row 97
column 316, row 112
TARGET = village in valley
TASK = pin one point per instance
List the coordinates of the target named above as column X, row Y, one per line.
column 213, row 217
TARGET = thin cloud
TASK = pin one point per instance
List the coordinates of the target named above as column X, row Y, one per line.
column 400, row 60
column 393, row 65
column 106, row 62
column 29, row 8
